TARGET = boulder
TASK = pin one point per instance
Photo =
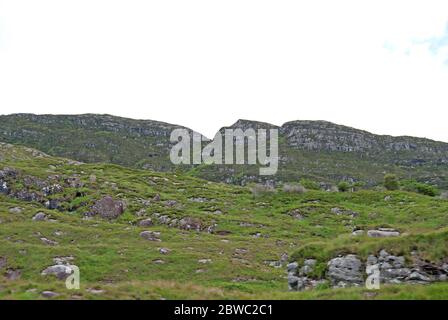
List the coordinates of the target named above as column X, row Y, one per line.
column 40, row 216
column 108, row 208
column 383, row 233
column 146, row 223
column 345, row 271
column 419, row 276
column 292, row 267
column 58, row 270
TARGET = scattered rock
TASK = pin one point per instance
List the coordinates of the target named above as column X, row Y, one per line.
column 170, row 203
column 296, row 214
column 274, row 263
column 48, row 241
column 292, row 267
column 146, row 223
column 3, row 262
column 198, row 199
column 156, row 198
column 204, row 261
column 358, row 233
column 15, row 210
column 150, row 235
column 40, row 216
column 49, row 294
column 63, row 260
column 190, row 224
column 382, row 233
column 95, row 291
column 13, row 274
column 158, row 261
column 164, row 250
column 338, row 211
column 419, row 276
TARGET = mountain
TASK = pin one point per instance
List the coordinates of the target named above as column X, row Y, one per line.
column 140, row 234
column 321, row 151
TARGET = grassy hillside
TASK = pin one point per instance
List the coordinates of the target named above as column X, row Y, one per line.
column 241, row 249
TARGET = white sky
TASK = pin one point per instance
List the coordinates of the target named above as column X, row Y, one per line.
column 376, row 65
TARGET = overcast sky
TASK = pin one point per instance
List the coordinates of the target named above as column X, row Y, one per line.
column 376, row 65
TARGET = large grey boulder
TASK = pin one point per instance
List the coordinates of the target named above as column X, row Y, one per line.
column 108, row 208
column 345, row 271
column 60, row 271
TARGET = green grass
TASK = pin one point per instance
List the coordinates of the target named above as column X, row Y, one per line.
column 113, row 257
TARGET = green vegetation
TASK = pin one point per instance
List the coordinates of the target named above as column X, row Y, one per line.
column 391, row 182
column 422, row 188
column 250, row 233
column 343, row 186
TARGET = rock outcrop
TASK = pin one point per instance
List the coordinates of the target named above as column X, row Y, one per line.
column 350, row 270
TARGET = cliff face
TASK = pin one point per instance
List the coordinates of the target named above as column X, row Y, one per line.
column 321, row 135
column 319, row 150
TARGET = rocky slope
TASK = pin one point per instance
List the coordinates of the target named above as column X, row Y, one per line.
column 322, row 151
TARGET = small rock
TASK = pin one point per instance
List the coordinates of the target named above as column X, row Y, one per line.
column 292, row 267
column 15, row 210
column 3, row 262
column 49, row 294
column 204, row 261
column 13, row 274
column 358, row 233
column 48, row 241
column 170, row 203
column 371, row 260
column 146, row 223
column 40, row 216
column 150, row 235
column 383, row 233
column 417, row 276
column 63, row 260
column 95, row 291
column 158, row 261
column 164, row 250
